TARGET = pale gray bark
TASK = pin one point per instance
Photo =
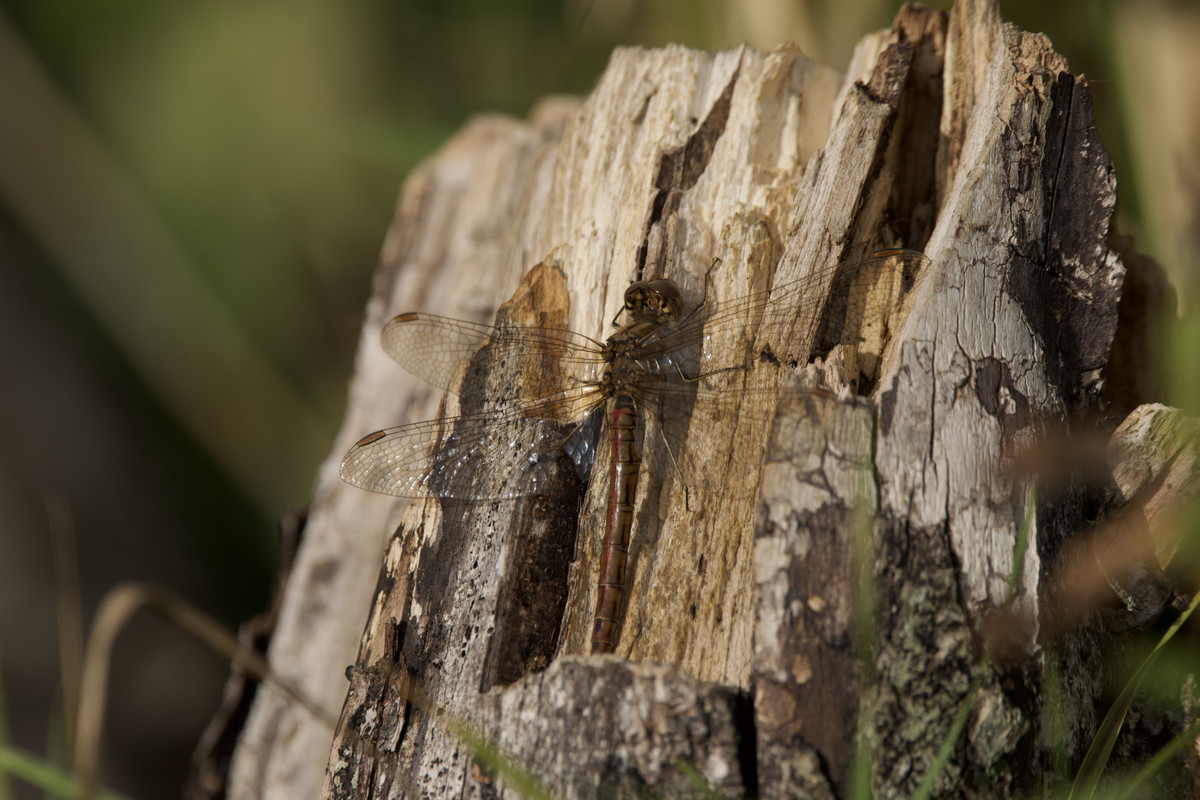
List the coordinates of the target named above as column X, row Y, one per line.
column 961, row 136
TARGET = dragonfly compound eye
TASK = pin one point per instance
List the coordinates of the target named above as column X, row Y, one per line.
column 654, row 362
column 636, row 296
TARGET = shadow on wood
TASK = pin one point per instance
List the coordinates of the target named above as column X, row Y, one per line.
column 958, row 135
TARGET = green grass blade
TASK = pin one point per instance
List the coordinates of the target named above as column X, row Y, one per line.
column 925, row 789
column 490, row 758
column 689, row 771
column 50, row 779
column 1096, row 759
column 1021, row 545
column 5, row 790
column 1160, row 758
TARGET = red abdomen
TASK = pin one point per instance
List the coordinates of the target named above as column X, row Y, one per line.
column 622, row 488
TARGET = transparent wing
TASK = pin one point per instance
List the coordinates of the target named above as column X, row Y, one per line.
column 739, row 395
column 506, row 452
column 707, row 339
column 510, row 453
column 433, row 348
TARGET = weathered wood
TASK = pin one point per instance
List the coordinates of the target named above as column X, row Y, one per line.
column 1155, row 460
column 1158, row 448
column 959, row 135
column 452, row 237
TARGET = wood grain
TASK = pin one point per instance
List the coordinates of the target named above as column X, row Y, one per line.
column 741, row 653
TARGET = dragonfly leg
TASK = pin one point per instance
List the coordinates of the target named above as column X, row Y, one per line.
column 704, row 298
column 707, row 275
column 671, row 453
column 694, row 378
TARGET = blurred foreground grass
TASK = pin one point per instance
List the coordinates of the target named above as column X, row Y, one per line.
column 213, row 180
column 194, row 195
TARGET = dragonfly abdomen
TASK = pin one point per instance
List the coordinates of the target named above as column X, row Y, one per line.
column 622, row 489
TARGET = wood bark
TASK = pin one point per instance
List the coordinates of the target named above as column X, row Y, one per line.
column 751, row 657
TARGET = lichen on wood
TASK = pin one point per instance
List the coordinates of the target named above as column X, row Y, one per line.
column 739, row 655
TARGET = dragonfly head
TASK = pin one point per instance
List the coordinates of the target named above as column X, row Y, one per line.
column 657, row 301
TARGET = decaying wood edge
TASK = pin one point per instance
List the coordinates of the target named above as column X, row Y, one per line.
column 962, row 135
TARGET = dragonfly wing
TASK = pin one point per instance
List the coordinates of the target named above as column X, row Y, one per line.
column 433, row 348
column 717, row 336
column 581, row 443
column 846, row 302
column 503, row 453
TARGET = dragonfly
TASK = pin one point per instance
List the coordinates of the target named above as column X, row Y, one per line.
column 661, row 363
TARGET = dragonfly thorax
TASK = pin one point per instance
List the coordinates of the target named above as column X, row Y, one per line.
column 650, row 307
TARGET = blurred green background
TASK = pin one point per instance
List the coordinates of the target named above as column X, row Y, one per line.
column 193, row 197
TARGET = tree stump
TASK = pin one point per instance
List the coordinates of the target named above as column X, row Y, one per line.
column 749, row 658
